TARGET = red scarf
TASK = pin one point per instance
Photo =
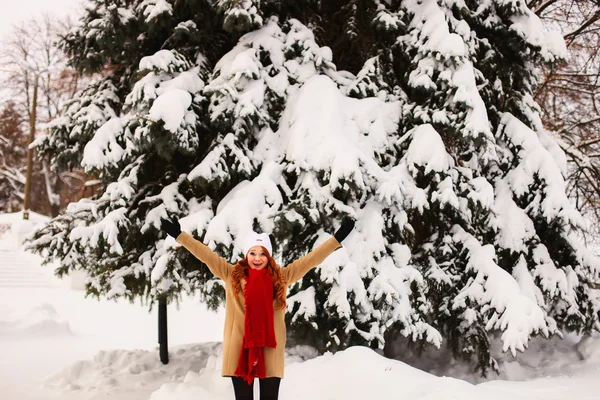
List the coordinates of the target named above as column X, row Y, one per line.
column 258, row 325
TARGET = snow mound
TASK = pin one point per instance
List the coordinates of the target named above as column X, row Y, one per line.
column 589, row 348
column 360, row 373
column 13, row 228
column 193, row 369
column 356, row 373
column 17, row 217
column 116, row 371
column 205, row 384
column 41, row 321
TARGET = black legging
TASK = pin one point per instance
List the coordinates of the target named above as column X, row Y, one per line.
column 269, row 388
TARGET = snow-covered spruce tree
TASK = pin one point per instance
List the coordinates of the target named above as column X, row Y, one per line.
column 464, row 227
column 13, row 155
column 475, row 181
column 413, row 117
column 138, row 129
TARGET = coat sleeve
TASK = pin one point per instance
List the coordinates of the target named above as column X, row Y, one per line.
column 216, row 264
column 296, row 270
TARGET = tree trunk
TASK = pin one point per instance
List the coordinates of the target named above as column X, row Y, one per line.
column 162, row 331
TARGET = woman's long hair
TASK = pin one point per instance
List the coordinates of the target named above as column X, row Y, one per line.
column 240, row 271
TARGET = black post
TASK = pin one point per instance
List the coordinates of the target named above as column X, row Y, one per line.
column 162, row 331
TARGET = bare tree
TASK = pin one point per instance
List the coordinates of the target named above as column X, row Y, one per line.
column 12, row 156
column 33, row 67
column 569, row 96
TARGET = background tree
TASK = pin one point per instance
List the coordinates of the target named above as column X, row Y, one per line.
column 13, row 142
column 417, row 118
column 569, row 98
column 30, row 57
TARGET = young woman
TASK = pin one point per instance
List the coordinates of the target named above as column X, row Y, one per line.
column 255, row 292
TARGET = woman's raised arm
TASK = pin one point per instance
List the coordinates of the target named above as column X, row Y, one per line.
column 216, row 264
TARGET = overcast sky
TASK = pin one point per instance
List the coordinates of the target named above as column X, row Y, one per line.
column 15, row 11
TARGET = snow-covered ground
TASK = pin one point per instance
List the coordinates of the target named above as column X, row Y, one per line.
column 57, row 344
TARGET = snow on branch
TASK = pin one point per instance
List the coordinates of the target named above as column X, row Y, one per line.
column 104, row 149
column 427, row 149
column 535, row 161
column 153, row 9
column 515, row 314
column 259, row 198
column 106, row 229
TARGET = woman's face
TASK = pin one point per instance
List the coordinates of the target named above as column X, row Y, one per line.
column 257, row 257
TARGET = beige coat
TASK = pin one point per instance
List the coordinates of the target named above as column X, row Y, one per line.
column 233, row 332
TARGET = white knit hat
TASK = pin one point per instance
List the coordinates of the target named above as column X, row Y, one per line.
column 258, row 239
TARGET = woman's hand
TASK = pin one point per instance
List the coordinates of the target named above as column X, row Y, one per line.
column 171, row 227
column 344, row 229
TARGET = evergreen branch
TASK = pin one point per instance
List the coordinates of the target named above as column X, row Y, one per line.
column 146, row 119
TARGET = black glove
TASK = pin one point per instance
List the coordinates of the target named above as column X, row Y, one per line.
column 171, row 227
column 344, row 229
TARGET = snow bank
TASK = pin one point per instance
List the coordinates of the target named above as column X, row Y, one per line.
column 356, row 373
column 360, row 373
column 41, row 321
column 13, row 228
column 17, row 218
column 37, row 341
column 589, row 348
column 125, row 370
column 193, row 370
